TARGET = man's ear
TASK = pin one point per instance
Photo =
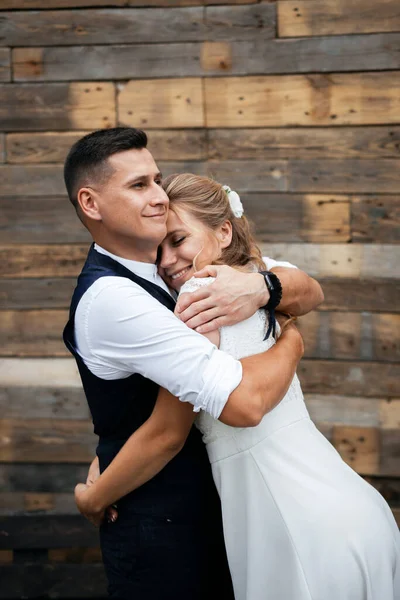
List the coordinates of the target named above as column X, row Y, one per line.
column 225, row 234
column 87, row 200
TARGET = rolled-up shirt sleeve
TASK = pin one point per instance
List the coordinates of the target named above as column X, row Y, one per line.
column 120, row 330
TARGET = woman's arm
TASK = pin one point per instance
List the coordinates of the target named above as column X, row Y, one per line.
column 144, row 455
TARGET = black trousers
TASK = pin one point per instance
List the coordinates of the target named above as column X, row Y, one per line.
column 162, row 558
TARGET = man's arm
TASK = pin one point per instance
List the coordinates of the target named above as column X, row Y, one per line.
column 235, row 296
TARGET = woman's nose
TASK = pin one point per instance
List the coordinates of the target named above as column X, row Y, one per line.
column 167, row 258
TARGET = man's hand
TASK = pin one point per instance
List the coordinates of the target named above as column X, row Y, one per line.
column 234, row 296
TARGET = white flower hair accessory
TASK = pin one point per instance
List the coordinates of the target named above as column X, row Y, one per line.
column 234, row 201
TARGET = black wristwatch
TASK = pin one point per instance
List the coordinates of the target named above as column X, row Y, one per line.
column 275, row 296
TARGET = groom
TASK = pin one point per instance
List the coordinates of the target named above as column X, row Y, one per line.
column 167, row 542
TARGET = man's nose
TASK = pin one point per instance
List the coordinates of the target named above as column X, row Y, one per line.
column 159, row 196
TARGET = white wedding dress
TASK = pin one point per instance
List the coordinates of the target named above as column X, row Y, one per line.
column 299, row 523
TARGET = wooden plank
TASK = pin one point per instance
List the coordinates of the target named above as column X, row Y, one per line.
column 40, row 219
column 54, row 372
column 59, row 531
column 188, row 59
column 5, row 64
column 309, row 176
column 122, row 25
column 358, row 336
column 366, row 379
column 344, row 176
column 2, row 147
column 107, row 62
column 319, row 99
column 20, row 503
column 47, row 440
column 43, row 4
column 370, row 294
column 307, row 143
column 26, row 180
column 333, row 17
column 53, row 581
column 42, row 261
column 165, row 103
column 296, row 218
column 359, row 447
column 53, row 147
column 340, row 260
column 18, row 294
column 32, row 333
column 58, row 106
column 332, row 409
column 319, row 260
column 375, row 219
column 373, row 295
column 43, row 402
column 388, row 487
column 75, row 555
column 41, row 478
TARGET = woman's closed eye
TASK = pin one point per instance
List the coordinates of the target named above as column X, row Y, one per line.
column 178, row 241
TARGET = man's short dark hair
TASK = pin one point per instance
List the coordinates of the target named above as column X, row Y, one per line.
column 87, row 159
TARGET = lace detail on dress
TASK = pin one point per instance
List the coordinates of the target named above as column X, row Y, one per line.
column 240, row 340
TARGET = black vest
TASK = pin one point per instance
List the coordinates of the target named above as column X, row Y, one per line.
column 119, row 407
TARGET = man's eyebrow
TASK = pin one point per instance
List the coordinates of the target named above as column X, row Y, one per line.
column 142, row 178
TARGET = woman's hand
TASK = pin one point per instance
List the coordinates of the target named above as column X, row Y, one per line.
column 84, row 498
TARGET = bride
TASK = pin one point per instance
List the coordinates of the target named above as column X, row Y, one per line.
column 299, row 523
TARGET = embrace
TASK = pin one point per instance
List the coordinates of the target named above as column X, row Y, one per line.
column 185, row 340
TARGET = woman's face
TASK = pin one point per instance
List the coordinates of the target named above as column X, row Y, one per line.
column 186, row 240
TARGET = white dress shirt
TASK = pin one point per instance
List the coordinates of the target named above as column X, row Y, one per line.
column 120, row 329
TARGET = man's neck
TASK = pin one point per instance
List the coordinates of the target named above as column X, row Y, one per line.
column 127, row 252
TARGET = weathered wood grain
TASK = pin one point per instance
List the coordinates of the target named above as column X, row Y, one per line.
column 315, row 99
column 54, row 372
column 53, row 531
column 359, row 447
column 47, row 440
column 141, row 25
column 376, row 219
column 358, row 336
column 371, row 295
column 43, row 402
column 310, row 176
column 333, row 17
column 213, row 58
column 43, row 4
column 40, row 219
column 164, row 103
column 345, row 176
column 5, row 64
column 306, row 143
column 296, row 218
column 42, row 261
column 389, row 488
column 53, row 147
column 43, row 293
column 21, row 503
column 57, row 106
column 2, row 147
column 32, row 333
column 383, row 413
column 26, row 180
column 42, row 478
column 350, row 378
column 319, row 260
column 53, row 580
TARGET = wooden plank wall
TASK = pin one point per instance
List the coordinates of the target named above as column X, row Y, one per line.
column 296, row 105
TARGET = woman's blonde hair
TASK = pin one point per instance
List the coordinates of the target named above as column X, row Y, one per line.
column 207, row 201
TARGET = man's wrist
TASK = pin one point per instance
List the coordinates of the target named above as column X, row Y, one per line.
column 263, row 295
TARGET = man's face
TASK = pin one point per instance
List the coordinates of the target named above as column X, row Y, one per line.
column 132, row 205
